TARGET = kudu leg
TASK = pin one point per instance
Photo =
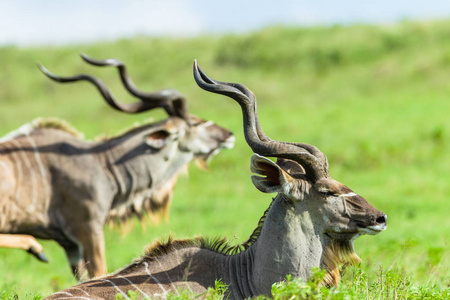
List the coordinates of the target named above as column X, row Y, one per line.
column 74, row 253
column 94, row 252
column 25, row 242
column 86, row 251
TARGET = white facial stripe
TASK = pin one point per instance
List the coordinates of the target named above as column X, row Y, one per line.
column 348, row 195
column 208, row 123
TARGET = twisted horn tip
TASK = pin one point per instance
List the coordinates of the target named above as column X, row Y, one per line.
column 101, row 63
column 199, row 74
column 46, row 71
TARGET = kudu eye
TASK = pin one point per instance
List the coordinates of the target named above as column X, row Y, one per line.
column 328, row 193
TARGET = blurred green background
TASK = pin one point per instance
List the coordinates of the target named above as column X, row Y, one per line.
column 374, row 99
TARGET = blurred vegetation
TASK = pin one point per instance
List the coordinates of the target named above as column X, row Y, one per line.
column 374, row 99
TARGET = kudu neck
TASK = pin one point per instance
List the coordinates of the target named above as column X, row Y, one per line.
column 134, row 166
column 288, row 244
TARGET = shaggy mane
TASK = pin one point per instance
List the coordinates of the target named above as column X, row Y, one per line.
column 38, row 123
column 338, row 254
column 135, row 126
column 58, row 124
column 218, row 244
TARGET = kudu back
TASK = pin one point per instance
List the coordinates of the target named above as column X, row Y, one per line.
column 55, row 185
column 312, row 222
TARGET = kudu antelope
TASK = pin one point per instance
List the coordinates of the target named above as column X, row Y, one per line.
column 312, row 222
column 57, row 186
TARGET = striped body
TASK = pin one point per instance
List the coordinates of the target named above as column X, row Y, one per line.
column 54, row 185
column 289, row 239
column 29, row 165
column 153, row 278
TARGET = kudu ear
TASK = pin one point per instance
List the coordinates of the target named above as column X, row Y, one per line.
column 273, row 179
column 293, row 168
column 159, row 137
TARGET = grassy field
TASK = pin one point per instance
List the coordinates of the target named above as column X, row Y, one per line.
column 375, row 100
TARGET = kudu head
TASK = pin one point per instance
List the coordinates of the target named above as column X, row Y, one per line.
column 300, row 175
column 188, row 133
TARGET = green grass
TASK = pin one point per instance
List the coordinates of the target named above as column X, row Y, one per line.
column 374, row 99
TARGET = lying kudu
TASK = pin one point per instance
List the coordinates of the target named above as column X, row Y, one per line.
column 25, row 242
column 312, row 222
column 54, row 185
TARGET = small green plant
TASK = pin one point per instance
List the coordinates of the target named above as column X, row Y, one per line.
column 298, row 288
column 216, row 293
column 5, row 295
column 389, row 285
column 8, row 296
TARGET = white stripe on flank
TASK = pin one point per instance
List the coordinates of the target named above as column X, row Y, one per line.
column 16, row 161
column 75, row 297
column 65, row 293
column 184, row 279
column 348, row 195
column 116, row 287
column 154, row 278
column 78, row 289
column 4, row 221
column 41, row 167
column 168, row 277
column 135, row 286
column 38, row 157
column 31, row 207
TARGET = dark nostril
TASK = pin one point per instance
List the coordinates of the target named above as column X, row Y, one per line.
column 382, row 219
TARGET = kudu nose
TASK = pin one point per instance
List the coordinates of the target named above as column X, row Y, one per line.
column 381, row 219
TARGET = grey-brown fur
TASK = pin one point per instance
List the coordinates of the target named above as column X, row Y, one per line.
column 312, row 222
column 55, row 185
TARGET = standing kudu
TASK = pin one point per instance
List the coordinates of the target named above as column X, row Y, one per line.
column 54, row 185
column 312, row 222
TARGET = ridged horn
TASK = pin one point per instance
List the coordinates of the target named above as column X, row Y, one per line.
column 308, row 156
